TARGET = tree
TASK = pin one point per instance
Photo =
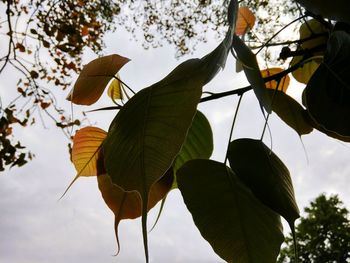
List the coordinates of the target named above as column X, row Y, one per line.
column 46, row 40
column 158, row 139
column 323, row 233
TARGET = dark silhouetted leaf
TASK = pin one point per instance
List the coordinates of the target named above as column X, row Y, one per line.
column 252, row 71
column 327, row 95
column 337, row 9
column 94, row 78
column 229, row 217
column 290, row 111
column 266, row 175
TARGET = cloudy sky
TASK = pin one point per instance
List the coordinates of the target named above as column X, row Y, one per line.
column 37, row 228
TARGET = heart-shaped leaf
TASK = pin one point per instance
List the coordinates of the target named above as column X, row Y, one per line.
column 337, row 9
column 229, row 217
column 127, row 205
column 252, row 71
column 290, row 111
column 304, row 73
column 283, row 84
column 94, row 78
column 266, row 175
column 327, row 95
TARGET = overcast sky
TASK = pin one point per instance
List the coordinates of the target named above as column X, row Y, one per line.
column 37, row 228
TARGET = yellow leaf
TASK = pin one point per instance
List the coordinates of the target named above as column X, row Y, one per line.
column 245, row 21
column 115, row 90
column 86, row 145
column 284, row 83
column 304, row 73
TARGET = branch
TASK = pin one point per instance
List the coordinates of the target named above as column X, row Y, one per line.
column 241, row 91
column 7, row 58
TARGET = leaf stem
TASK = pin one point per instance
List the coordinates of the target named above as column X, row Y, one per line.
column 233, row 125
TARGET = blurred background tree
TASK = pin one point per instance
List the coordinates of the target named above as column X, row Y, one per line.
column 323, row 234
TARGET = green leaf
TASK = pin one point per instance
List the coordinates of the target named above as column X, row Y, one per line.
column 337, row 9
column 327, row 95
column 252, row 71
column 266, row 175
column 198, row 143
column 290, row 111
column 147, row 134
column 238, row 227
column 94, row 78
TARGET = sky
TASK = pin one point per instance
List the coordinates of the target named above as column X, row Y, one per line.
column 36, row 227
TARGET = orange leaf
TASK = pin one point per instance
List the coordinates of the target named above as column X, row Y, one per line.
column 94, row 78
column 127, row 205
column 86, row 145
column 245, row 21
column 85, row 152
column 284, row 83
column 84, row 31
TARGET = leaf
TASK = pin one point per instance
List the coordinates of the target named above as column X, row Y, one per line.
column 252, row 71
column 290, row 111
column 94, row 78
column 309, row 29
column 265, row 175
column 85, row 152
column 284, row 83
column 127, row 205
column 198, row 143
column 327, row 95
column 238, row 227
column 245, row 21
column 337, row 10
column 115, row 90
column 86, row 144
column 304, row 73
column 147, row 134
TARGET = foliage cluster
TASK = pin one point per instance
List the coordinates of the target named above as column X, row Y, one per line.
column 323, row 233
column 44, row 42
column 158, row 139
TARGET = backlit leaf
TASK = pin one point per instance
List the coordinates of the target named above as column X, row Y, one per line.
column 309, row 29
column 115, row 90
column 245, row 21
column 86, row 144
column 290, row 111
column 198, row 143
column 265, row 175
column 94, row 78
column 337, row 9
column 127, row 205
column 252, row 71
column 304, row 73
column 327, row 95
column 85, row 152
column 284, row 83
column 238, row 227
